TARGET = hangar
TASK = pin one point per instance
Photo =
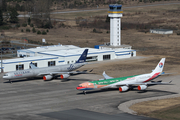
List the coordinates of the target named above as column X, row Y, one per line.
column 63, row 56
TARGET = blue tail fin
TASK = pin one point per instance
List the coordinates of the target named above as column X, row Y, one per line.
column 82, row 58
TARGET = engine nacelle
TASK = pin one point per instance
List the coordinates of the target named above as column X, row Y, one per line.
column 64, row 76
column 123, row 88
column 142, row 87
column 47, row 77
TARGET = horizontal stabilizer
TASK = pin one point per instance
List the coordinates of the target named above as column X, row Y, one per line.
column 163, row 73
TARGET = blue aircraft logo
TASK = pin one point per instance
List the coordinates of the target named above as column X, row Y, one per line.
column 71, row 67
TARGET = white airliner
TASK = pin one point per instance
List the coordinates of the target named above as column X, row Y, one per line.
column 124, row 83
column 49, row 73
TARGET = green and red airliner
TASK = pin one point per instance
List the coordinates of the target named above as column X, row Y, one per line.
column 124, row 83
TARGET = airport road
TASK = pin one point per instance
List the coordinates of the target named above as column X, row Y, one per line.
column 56, row 99
column 136, row 6
column 97, row 9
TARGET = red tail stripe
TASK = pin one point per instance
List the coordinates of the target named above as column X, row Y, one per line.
column 155, row 75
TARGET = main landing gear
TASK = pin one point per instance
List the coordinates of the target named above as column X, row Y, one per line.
column 84, row 92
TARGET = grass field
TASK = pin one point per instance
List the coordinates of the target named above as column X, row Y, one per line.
column 170, row 113
column 88, row 14
column 165, row 109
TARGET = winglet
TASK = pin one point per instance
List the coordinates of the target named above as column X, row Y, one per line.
column 82, row 58
column 160, row 66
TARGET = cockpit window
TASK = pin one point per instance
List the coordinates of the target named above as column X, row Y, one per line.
column 80, row 86
column 5, row 74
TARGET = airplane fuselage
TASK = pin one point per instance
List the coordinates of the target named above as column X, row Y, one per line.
column 36, row 72
column 123, row 80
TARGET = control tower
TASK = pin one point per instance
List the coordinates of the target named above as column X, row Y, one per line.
column 115, row 14
column 121, row 51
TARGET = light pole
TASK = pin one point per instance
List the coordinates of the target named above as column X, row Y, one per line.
column 1, row 58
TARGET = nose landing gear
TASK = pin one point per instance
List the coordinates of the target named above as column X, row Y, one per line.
column 84, row 92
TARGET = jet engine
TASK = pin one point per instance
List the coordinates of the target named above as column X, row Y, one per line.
column 47, row 77
column 142, row 87
column 64, row 76
column 123, row 88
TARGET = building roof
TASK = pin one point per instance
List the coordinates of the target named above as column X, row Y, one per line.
column 48, row 48
column 74, row 52
column 110, row 46
column 28, row 59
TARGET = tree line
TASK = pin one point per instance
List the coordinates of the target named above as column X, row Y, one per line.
column 38, row 11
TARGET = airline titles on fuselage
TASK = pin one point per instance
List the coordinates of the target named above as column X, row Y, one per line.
column 132, row 78
column 21, row 73
column 106, row 82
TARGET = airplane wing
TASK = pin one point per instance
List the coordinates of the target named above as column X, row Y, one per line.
column 106, row 76
column 157, row 83
column 152, row 83
column 118, row 84
column 71, row 72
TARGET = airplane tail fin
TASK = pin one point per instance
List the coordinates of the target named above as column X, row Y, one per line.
column 160, row 66
column 32, row 66
column 82, row 58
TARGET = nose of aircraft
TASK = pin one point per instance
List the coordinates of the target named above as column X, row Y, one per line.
column 83, row 86
column 79, row 88
column 6, row 76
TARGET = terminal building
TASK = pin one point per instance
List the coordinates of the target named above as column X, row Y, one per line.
column 46, row 56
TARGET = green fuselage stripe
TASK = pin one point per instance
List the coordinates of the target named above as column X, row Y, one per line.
column 111, row 81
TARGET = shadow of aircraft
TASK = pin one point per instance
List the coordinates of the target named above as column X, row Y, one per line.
column 23, row 80
column 116, row 89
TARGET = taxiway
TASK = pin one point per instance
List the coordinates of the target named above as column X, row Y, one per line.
column 57, row 99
